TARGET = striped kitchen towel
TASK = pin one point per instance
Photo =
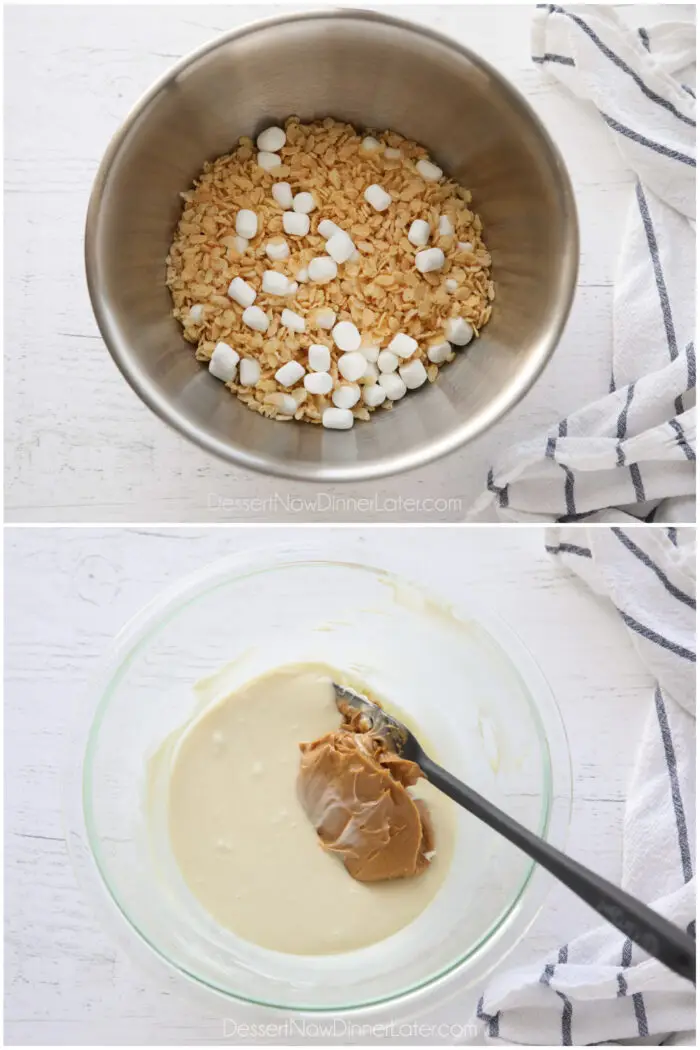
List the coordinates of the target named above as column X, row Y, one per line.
column 633, row 449
column 601, row 987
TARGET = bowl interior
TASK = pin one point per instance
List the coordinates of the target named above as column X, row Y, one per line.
column 374, row 72
column 480, row 714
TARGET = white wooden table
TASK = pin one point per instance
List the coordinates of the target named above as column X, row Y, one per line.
column 81, row 446
column 69, row 591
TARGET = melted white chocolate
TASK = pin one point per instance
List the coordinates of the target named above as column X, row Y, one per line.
column 244, row 844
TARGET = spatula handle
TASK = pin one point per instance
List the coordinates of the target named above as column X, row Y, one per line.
column 656, row 935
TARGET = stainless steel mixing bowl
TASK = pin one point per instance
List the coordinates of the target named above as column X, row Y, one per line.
column 374, row 71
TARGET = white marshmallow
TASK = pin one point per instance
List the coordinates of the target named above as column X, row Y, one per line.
column 324, row 318
column 465, row 246
column 322, row 269
column 246, row 223
column 268, row 161
column 439, row 352
column 392, row 153
column 319, row 357
column 393, row 386
column 240, row 244
column 282, row 192
column 223, row 362
column 429, row 171
column 284, row 403
column 413, row 374
column 340, row 246
column 459, row 331
column 377, row 197
column 430, row 259
column 256, row 318
column 290, row 373
column 403, row 345
column 387, row 361
column 370, row 144
column 296, row 224
column 241, row 292
column 327, row 228
column 370, row 353
column 304, row 203
column 346, row 336
column 277, row 250
column 451, row 285
column 318, row 383
column 352, row 366
column 371, row 371
column 249, row 372
column 272, row 139
column 274, row 283
column 337, row 418
column 196, row 313
column 346, row 395
column 419, row 233
column 292, row 288
column 293, row 321
column 445, row 227
column 373, row 396
column 302, row 275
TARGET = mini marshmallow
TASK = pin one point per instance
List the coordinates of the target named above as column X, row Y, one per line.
column 327, row 228
column 392, row 153
column 324, row 318
column 419, row 233
column 346, row 336
column 352, row 366
column 223, row 362
column 284, row 403
column 322, row 269
column 439, row 352
column 196, row 313
column 249, row 372
column 346, row 395
column 337, row 418
column 430, row 259
column 256, row 318
column 292, row 288
column 340, row 246
column 451, row 285
column 387, row 361
column 403, row 345
column 268, row 161
column 241, row 292
column 246, row 223
column 293, row 321
column 277, row 250
column 371, row 372
column 377, row 197
column 373, row 396
column 393, row 386
column 465, row 246
column 272, row 139
column 370, row 144
column 445, row 227
column 370, row 353
column 289, row 374
column 413, row 374
column 319, row 357
column 282, row 192
column 318, row 383
column 296, row 224
column 429, row 171
column 274, row 283
column 302, row 275
column 458, row 331
column 304, row 203
column 240, row 244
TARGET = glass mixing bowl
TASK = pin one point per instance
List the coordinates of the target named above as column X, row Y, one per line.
column 461, row 676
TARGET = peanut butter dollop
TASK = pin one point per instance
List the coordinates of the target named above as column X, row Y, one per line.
column 354, row 792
